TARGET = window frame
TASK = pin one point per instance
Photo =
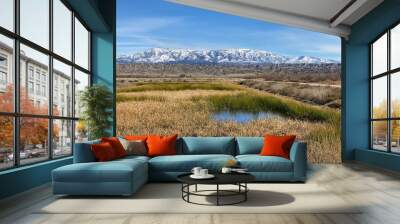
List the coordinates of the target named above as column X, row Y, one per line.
column 3, row 70
column 388, row 74
column 16, row 114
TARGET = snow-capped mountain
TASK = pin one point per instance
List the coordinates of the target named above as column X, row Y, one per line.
column 234, row 56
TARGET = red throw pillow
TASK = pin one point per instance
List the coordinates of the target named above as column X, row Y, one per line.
column 161, row 145
column 277, row 145
column 136, row 137
column 116, row 145
column 103, row 152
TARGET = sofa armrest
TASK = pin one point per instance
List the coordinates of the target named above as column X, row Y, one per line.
column 83, row 152
column 298, row 155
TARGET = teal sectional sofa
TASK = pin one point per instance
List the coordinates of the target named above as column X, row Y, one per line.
column 125, row 176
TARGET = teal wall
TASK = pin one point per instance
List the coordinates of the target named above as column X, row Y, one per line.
column 99, row 15
column 380, row 159
column 96, row 13
column 103, row 61
column 24, row 178
column 356, row 98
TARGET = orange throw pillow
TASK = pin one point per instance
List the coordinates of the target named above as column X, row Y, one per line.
column 103, row 152
column 116, row 145
column 161, row 145
column 136, row 137
column 277, row 145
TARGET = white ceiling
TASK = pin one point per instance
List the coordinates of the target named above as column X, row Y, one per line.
column 324, row 16
column 322, row 9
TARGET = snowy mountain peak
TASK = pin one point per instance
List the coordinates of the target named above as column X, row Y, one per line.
column 232, row 56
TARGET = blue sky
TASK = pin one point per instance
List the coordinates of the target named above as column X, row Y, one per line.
column 144, row 24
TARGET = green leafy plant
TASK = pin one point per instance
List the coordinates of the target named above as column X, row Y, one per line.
column 97, row 103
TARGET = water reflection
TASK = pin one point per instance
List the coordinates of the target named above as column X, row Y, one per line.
column 243, row 117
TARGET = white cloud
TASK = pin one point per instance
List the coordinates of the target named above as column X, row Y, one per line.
column 306, row 42
column 140, row 33
column 330, row 48
column 134, row 26
column 136, row 34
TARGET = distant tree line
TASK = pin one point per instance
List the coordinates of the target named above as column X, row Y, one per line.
column 290, row 72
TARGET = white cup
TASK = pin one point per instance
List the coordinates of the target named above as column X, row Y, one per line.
column 226, row 170
column 196, row 171
column 203, row 172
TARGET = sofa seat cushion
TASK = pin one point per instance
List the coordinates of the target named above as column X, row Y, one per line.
column 112, row 171
column 185, row 163
column 257, row 163
column 133, row 157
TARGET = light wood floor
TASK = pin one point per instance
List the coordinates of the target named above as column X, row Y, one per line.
column 379, row 189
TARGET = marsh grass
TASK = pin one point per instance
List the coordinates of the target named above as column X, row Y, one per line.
column 319, row 95
column 189, row 113
column 174, row 86
column 324, row 143
column 126, row 98
column 256, row 102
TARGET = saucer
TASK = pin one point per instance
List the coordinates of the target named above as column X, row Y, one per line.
column 208, row 176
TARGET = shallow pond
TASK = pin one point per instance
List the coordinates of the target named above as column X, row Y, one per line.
column 243, row 117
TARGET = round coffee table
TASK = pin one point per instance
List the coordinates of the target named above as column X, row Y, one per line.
column 238, row 179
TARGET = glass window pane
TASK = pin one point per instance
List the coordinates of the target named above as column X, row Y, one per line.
column 6, row 74
column 395, row 94
column 81, row 131
column 35, row 21
column 7, row 14
column 81, row 45
column 379, row 97
column 81, row 82
column 62, row 138
column 6, row 142
column 33, row 140
column 62, row 29
column 379, row 135
column 395, row 47
column 62, row 89
column 379, row 55
column 395, row 136
column 34, row 72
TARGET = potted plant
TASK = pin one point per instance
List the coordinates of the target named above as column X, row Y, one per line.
column 96, row 102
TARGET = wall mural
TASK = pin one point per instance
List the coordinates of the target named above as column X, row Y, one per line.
column 194, row 72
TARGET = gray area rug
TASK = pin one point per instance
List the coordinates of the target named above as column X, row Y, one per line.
column 166, row 198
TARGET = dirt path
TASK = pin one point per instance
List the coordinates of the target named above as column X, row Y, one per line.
column 304, row 83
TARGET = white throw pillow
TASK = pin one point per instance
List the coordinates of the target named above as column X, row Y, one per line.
column 134, row 147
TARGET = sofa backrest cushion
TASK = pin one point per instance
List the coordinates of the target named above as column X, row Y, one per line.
column 249, row 145
column 208, row 145
column 83, row 153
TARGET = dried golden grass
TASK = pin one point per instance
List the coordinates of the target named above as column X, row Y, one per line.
column 179, row 86
column 180, row 114
column 320, row 95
